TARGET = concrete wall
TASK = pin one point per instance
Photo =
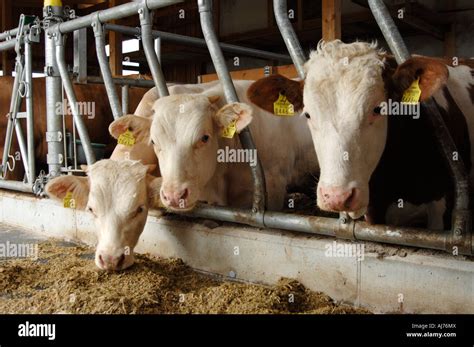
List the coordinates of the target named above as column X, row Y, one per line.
column 386, row 279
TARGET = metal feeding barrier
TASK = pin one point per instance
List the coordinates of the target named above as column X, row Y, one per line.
column 56, row 27
column 25, row 34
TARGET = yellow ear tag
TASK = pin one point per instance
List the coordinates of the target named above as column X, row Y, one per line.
column 282, row 107
column 413, row 93
column 69, row 201
column 126, row 139
column 229, row 131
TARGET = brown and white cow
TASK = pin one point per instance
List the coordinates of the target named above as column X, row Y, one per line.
column 357, row 147
column 186, row 134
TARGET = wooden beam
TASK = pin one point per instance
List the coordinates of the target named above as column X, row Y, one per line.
column 6, row 7
column 299, row 14
column 450, row 35
column 115, row 44
column 331, row 19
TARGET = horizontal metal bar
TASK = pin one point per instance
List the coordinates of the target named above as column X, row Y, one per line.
column 361, row 231
column 8, row 33
column 7, row 45
column 124, row 81
column 113, row 13
column 16, row 185
column 198, row 42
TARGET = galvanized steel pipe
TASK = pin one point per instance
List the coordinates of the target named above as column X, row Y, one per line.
column 146, row 23
column 105, row 70
column 289, row 36
column 259, row 199
column 198, row 42
column 71, row 96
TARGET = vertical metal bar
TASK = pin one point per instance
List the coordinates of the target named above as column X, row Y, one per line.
column 289, row 36
column 157, row 43
column 13, row 122
column 71, row 96
column 105, row 70
column 29, row 110
column 80, row 55
column 10, row 124
column 125, row 99
column 390, row 31
column 461, row 236
column 53, row 96
column 205, row 12
column 146, row 23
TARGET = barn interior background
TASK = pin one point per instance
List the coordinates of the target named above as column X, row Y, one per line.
column 429, row 27
column 434, row 28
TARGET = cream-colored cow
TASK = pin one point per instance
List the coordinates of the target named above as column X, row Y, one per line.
column 118, row 194
column 198, row 164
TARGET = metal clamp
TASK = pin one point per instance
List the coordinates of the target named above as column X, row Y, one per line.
column 54, row 136
column 345, row 228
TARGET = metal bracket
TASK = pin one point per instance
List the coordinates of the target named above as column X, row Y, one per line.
column 54, row 136
column 145, row 15
column 52, row 159
column 97, row 26
column 460, row 241
column 346, row 227
column 21, row 115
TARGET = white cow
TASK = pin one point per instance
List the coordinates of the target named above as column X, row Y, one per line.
column 143, row 151
column 198, row 164
column 118, row 194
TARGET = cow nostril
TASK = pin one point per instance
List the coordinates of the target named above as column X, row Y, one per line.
column 350, row 198
column 165, row 197
column 184, row 194
column 120, row 261
column 101, row 261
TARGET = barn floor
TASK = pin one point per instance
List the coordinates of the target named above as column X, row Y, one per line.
column 62, row 278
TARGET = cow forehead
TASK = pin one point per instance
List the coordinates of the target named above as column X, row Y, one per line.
column 343, row 79
column 118, row 184
column 181, row 117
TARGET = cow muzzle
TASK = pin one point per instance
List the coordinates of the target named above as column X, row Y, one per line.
column 338, row 199
column 176, row 199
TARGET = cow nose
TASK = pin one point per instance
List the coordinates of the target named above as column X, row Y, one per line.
column 108, row 262
column 175, row 198
column 339, row 199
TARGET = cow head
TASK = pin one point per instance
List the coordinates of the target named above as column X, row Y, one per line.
column 118, row 194
column 344, row 87
column 184, row 132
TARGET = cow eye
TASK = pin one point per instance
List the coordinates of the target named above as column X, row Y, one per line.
column 91, row 210
column 140, row 209
column 377, row 110
column 152, row 142
column 205, row 138
column 306, row 114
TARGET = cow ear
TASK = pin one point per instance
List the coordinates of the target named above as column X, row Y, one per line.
column 138, row 126
column 433, row 75
column 153, row 188
column 266, row 91
column 239, row 112
column 77, row 187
